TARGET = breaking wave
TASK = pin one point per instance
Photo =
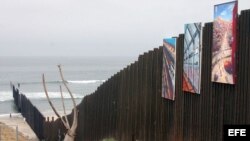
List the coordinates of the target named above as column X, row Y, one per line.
column 85, row 81
column 7, row 95
column 68, row 81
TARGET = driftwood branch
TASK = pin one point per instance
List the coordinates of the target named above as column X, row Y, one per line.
column 65, row 116
column 75, row 120
column 70, row 136
column 51, row 104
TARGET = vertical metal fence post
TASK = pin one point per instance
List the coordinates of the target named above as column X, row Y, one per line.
column 17, row 133
column 59, row 135
column 0, row 133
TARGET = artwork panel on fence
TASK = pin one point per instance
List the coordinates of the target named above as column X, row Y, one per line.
column 168, row 70
column 192, row 58
column 224, row 42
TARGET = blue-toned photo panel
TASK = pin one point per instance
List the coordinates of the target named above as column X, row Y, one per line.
column 192, row 58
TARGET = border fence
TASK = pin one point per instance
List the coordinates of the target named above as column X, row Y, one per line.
column 31, row 114
column 129, row 106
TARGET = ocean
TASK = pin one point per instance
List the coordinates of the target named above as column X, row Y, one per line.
column 83, row 74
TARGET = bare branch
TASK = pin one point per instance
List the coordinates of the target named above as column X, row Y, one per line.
column 65, row 116
column 75, row 120
column 70, row 136
column 64, row 83
column 50, row 103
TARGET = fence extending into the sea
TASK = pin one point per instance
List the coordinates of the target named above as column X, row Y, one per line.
column 32, row 115
column 129, row 106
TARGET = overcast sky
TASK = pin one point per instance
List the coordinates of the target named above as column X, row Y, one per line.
column 96, row 27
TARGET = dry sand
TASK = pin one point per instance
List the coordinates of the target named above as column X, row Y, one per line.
column 9, row 134
column 8, row 128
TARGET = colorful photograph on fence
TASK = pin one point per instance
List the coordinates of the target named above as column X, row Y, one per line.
column 168, row 70
column 192, row 58
column 224, row 43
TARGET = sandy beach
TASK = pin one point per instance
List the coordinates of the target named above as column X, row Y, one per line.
column 8, row 128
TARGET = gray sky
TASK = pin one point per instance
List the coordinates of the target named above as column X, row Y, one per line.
column 96, row 27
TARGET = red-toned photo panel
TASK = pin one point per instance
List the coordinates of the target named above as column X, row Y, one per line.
column 224, row 42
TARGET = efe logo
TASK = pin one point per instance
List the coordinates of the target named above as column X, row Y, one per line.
column 237, row 132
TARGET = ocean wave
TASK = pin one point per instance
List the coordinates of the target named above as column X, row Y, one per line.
column 12, row 114
column 48, row 82
column 68, row 81
column 7, row 95
column 41, row 95
column 85, row 81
